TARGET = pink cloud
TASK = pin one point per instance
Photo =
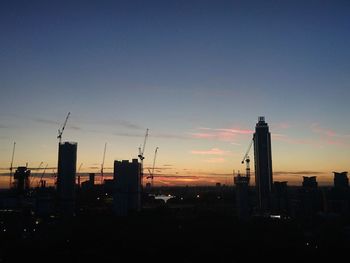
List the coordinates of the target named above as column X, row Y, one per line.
column 281, row 125
column 213, row 151
column 329, row 136
column 315, row 127
column 235, row 131
column 320, row 137
column 221, row 134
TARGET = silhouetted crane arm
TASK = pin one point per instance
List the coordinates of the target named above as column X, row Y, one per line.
column 42, row 175
column 150, row 174
column 144, row 143
column 103, row 162
column 154, row 160
column 60, row 131
column 141, row 152
column 31, row 180
column 247, row 152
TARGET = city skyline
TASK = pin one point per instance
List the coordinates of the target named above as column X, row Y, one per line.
column 196, row 73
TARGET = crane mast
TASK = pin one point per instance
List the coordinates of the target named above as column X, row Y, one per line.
column 11, row 165
column 41, row 183
column 103, row 162
column 79, row 174
column 60, row 131
column 246, row 159
column 247, row 152
column 141, row 153
column 151, row 176
column 38, row 169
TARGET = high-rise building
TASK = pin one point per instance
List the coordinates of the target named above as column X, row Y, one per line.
column 127, row 184
column 311, row 197
column 310, row 182
column 21, row 176
column 263, row 163
column 242, row 195
column 340, row 195
column 279, row 200
column 341, row 181
column 67, row 161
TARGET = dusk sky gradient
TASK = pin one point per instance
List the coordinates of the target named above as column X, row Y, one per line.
column 196, row 73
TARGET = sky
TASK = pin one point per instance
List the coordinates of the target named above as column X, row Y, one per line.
column 196, row 73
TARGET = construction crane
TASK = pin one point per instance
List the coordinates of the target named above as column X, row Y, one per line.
column 41, row 182
column 80, row 167
column 38, row 169
column 151, row 176
column 11, row 165
column 79, row 174
column 60, row 131
column 246, row 159
column 103, row 162
column 54, row 176
column 141, row 152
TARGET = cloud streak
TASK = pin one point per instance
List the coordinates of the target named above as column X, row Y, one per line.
column 45, row 121
column 153, row 135
column 169, row 136
column 221, row 134
column 129, row 125
column 233, row 131
column 306, row 173
column 320, row 137
column 213, row 151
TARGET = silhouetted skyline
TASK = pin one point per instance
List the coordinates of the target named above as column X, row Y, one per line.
column 196, row 73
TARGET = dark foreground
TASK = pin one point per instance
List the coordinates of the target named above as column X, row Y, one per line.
column 164, row 235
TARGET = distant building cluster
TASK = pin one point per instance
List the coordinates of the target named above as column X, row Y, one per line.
column 124, row 195
column 276, row 198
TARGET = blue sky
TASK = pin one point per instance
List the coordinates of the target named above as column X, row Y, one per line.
column 176, row 67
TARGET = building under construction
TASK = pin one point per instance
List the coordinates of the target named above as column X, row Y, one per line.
column 127, row 187
column 242, row 195
column 22, row 179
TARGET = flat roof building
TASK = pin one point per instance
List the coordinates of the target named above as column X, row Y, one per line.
column 127, row 187
column 67, row 161
column 341, row 180
column 242, row 196
column 310, row 182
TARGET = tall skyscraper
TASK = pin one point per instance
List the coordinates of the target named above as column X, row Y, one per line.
column 127, row 187
column 67, row 161
column 263, row 163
